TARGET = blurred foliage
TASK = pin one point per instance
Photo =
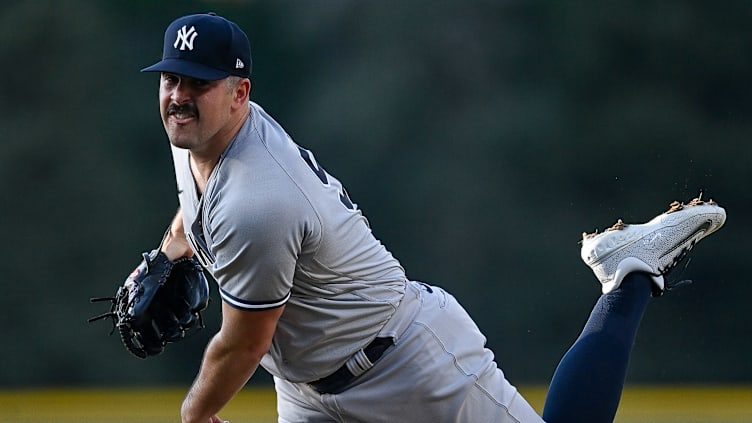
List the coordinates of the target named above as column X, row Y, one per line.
column 479, row 137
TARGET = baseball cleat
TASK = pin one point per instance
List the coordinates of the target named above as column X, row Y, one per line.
column 654, row 247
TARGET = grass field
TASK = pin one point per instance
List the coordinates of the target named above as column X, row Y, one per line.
column 665, row 404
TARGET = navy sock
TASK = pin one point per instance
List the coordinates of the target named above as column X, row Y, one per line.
column 588, row 382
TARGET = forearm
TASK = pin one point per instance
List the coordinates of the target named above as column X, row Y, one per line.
column 175, row 244
column 224, row 371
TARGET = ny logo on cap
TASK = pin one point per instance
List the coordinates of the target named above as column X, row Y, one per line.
column 186, row 36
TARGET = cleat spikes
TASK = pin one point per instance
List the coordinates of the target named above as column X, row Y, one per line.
column 655, row 247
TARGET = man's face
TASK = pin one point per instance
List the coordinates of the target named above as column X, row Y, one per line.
column 195, row 112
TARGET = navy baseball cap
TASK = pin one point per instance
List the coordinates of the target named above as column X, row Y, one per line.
column 204, row 46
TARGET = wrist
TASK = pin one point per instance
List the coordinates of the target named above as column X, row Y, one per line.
column 175, row 245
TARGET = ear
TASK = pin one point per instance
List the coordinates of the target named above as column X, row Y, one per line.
column 242, row 91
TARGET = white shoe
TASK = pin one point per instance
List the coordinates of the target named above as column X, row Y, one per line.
column 654, row 247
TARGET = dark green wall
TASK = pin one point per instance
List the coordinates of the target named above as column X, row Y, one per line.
column 481, row 139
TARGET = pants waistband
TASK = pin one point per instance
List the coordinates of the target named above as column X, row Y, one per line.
column 361, row 361
column 364, row 359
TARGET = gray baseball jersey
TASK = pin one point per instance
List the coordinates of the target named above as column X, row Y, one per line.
column 273, row 228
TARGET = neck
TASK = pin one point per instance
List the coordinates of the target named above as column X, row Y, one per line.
column 205, row 160
column 202, row 169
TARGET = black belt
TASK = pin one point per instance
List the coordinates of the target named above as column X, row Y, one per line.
column 342, row 377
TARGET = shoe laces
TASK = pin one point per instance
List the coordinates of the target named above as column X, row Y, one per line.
column 675, row 282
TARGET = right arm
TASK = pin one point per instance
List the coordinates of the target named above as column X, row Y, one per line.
column 230, row 359
column 175, row 244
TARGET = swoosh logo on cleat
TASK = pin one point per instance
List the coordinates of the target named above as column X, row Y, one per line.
column 701, row 229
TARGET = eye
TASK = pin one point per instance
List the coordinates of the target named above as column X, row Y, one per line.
column 201, row 83
column 170, row 79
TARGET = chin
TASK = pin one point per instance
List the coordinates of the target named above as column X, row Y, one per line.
column 179, row 142
column 181, row 146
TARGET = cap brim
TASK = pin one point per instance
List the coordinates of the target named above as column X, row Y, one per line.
column 187, row 68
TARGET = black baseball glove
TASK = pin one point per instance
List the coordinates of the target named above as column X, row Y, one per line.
column 160, row 302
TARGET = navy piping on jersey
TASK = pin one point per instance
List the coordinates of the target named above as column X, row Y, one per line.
column 251, row 305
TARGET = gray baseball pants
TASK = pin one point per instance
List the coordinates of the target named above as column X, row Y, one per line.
column 438, row 371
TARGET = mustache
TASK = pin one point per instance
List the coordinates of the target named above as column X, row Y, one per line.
column 185, row 108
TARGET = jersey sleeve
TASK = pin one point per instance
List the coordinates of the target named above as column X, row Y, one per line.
column 256, row 240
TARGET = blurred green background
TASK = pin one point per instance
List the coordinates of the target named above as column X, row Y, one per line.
column 481, row 138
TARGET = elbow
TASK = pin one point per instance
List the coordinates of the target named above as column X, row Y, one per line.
column 251, row 354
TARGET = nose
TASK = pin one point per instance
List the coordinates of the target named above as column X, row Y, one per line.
column 180, row 93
